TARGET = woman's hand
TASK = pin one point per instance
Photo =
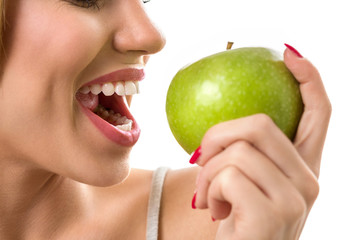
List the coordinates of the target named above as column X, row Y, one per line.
column 259, row 183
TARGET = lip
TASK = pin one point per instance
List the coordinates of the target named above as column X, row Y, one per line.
column 120, row 137
column 127, row 74
column 123, row 138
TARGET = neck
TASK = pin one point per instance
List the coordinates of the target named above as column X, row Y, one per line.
column 31, row 197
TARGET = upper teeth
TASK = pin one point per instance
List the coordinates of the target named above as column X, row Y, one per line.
column 120, row 88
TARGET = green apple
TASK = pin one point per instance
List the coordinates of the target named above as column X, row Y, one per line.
column 229, row 85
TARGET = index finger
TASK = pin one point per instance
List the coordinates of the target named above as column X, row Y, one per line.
column 311, row 133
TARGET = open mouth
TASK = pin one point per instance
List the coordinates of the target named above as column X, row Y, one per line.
column 106, row 106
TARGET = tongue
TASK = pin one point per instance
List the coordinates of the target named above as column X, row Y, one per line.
column 89, row 100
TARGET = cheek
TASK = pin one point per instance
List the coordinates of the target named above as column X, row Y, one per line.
column 47, row 48
column 55, row 41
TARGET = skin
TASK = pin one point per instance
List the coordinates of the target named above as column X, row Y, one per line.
column 62, row 179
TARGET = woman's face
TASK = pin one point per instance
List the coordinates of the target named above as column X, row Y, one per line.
column 56, row 50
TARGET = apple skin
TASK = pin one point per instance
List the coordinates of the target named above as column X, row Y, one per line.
column 229, row 85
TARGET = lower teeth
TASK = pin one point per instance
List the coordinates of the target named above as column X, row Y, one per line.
column 124, row 127
column 118, row 121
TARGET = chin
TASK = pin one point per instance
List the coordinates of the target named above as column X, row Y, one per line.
column 109, row 180
column 105, row 177
column 100, row 171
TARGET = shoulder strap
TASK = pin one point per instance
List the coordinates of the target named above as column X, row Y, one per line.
column 152, row 224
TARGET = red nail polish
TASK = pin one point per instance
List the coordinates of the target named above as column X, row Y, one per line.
column 213, row 219
column 193, row 201
column 293, row 50
column 195, row 155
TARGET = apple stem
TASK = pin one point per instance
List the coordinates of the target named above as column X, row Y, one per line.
column 229, row 45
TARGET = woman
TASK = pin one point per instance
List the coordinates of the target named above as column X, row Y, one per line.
column 65, row 172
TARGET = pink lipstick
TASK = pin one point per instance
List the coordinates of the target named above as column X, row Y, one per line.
column 108, row 111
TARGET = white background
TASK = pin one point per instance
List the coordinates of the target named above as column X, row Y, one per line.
column 326, row 32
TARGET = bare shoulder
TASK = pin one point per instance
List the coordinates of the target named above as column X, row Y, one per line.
column 177, row 218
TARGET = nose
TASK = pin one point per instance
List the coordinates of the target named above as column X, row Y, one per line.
column 135, row 32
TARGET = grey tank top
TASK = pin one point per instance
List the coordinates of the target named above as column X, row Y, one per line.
column 152, row 224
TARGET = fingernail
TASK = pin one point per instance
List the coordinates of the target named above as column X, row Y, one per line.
column 193, row 201
column 213, row 219
column 195, row 155
column 293, row 50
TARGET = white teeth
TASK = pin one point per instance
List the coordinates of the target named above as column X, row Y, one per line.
column 130, row 88
column 104, row 115
column 112, row 118
column 95, row 89
column 137, row 86
column 84, row 90
column 121, row 120
column 108, row 89
column 115, row 119
column 125, row 127
column 120, row 88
